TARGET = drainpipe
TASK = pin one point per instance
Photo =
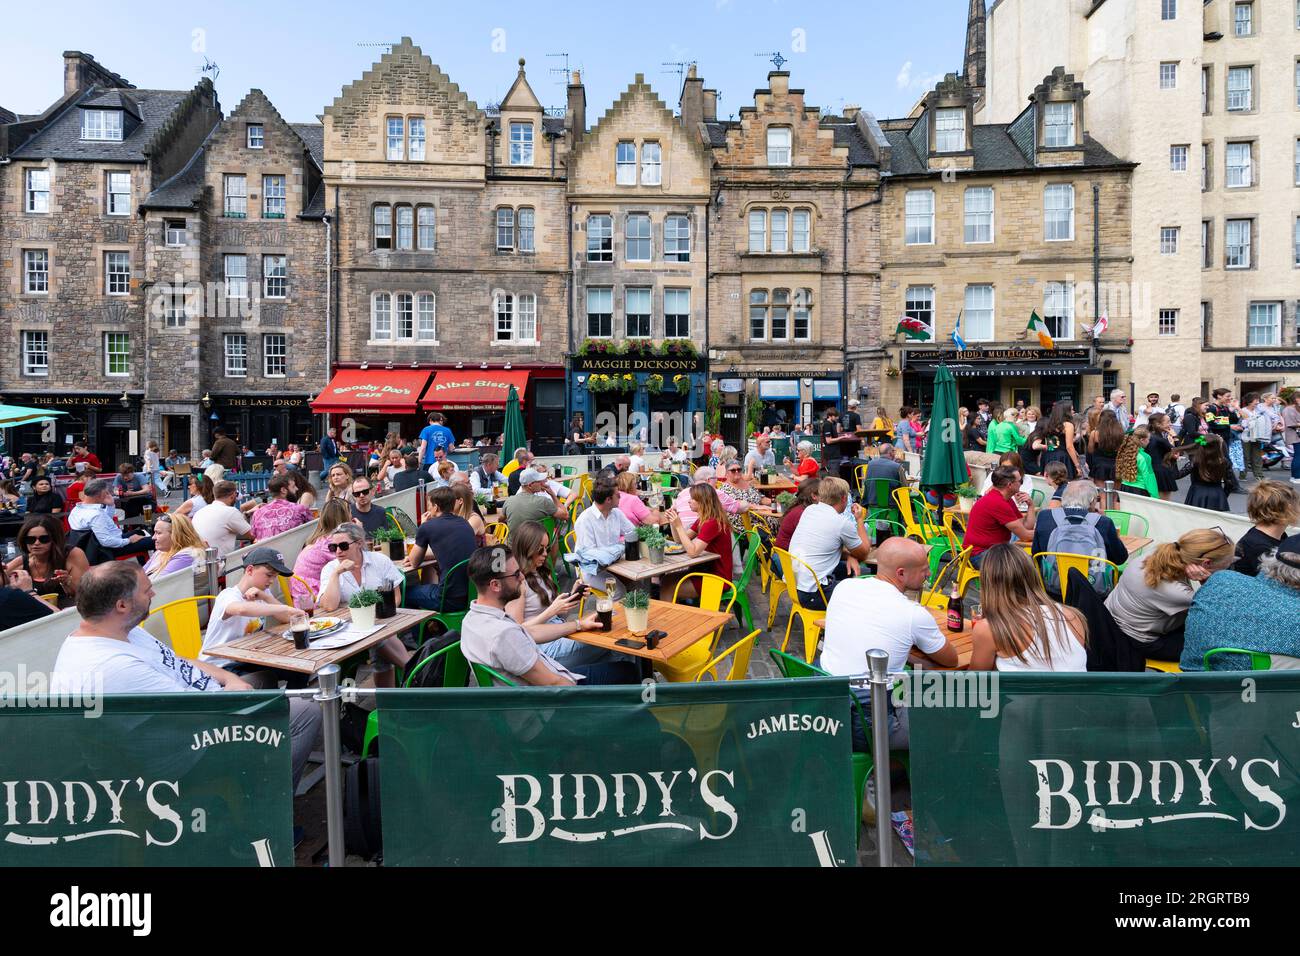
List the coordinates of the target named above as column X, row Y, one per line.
column 708, row 375
column 569, row 293
column 1096, row 276
column 329, row 291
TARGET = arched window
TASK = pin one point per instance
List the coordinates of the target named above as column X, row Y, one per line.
column 405, row 228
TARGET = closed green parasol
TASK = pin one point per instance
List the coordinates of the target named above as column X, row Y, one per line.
column 514, row 426
column 944, row 465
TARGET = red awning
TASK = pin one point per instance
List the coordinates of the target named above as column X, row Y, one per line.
column 473, row 389
column 355, row 391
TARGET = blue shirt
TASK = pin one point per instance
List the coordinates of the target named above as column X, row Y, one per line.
column 1233, row 610
column 436, row 436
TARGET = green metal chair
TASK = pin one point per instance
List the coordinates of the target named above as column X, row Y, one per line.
column 1123, row 521
column 1259, row 661
column 455, row 674
column 863, row 763
column 896, row 528
column 884, row 507
column 1038, row 497
column 450, row 620
column 744, row 613
column 485, row 676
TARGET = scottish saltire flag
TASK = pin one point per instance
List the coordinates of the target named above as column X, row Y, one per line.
column 958, row 342
column 1039, row 328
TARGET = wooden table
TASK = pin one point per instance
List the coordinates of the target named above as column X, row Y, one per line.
column 269, row 648
column 775, row 484
column 640, row 570
column 960, row 641
column 685, row 626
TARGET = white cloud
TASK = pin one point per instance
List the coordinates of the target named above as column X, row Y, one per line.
column 906, row 81
column 904, row 75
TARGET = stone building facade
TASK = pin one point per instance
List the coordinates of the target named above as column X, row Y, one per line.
column 638, row 196
column 794, row 254
column 1205, row 98
column 989, row 222
column 236, row 252
column 73, row 249
column 450, row 246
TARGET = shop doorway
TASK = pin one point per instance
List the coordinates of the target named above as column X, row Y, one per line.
column 176, row 435
column 547, row 431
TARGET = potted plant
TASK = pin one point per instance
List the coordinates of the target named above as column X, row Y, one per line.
column 636, row 607
column 363, row 605
column 395, row 538
column 642, row 534
column 784, row 502
column 967, row 495
column 654, row 384
column 654, row 543
column 487, row 503
column 682, row 383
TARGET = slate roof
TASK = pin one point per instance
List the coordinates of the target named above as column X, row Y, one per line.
column 313, row 134
column 718, row 132
column 182, row 191
column 6, row 116
column 995, row 152
column 848, row 134
column 550, row 124
column 61, row 138
column 315, row 208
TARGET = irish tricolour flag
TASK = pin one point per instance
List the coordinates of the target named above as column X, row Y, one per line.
column 1039, row 327
column 915, row 329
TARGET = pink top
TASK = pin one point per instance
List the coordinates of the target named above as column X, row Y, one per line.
column 308, row 566
column 276, row 517
column 632, row 506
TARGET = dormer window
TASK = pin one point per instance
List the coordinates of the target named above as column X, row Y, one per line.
column 101, row 125
column 521, row 144
column 778, row 146
column 254, row 135
column 949, row 131
column 1058, row 125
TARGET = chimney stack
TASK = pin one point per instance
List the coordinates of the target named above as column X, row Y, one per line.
column 710, row 106
column 80, row 70
column 692, row 101
column 575, row 113
column 851, row 112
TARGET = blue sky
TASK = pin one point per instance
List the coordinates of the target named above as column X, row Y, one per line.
column 301, row 54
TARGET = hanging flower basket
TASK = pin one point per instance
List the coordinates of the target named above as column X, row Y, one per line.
column 654, row 384
column 597, row 347
column 679, row 348
column 600, row 383
column 638, row 348
column 626, row 383
column 682, row 383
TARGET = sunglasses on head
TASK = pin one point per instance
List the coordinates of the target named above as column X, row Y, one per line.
column 338, row 546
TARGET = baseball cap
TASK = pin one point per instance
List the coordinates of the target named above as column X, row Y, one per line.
column 268, row 557
column 529, row 475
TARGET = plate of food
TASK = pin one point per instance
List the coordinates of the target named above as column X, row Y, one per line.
column 321, row 626
column 674, row 549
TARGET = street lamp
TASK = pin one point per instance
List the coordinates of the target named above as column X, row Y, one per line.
column 125, row 399
column 206, row 401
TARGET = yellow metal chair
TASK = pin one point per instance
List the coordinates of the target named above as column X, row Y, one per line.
column 716, row 594
column 742, row 650
column 918, row 516
column 810, row 619
column 511, row 466
column 1166, row 667
column 860, row 481
column 52, row 599
column 286, row 592
column 497, row 532
column 1066, row 563
column 183, row 626
column 960, row 570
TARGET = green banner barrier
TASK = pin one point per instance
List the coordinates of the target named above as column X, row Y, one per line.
column 167, row 780
column 1106, row 770
column 754, row 773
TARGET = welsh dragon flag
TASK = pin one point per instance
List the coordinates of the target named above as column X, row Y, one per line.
column 915, row 329
column 1039, row 327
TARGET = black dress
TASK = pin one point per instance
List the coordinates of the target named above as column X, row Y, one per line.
column 1157, row 448
column 1211, row 495
column 1101, row 467
column 1056, row 451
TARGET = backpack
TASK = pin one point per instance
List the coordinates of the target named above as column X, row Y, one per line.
column 433, row 673
column 1077, row 536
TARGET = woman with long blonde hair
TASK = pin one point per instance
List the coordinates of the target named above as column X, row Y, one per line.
column 1150, row 601
column 1023, row 629
column 177, row 546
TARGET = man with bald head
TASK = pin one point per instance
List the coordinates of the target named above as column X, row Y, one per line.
column 869, row 613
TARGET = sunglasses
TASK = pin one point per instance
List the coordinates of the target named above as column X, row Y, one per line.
column 361, row 491
column 38, row 538
column 334, row 546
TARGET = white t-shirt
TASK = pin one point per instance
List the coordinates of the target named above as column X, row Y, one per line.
column 376, row 569
column 223, row 628
column 198, row 503
column 867, row 613
column 1026, row 484
column 220, row 526
column 139, row 665
column 822, row 532
column 636, row 464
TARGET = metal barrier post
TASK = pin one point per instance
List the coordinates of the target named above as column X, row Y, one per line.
column 213, row 566
column 878, row 666
column 1110, row 501
column 329, row 699
column 420, row 505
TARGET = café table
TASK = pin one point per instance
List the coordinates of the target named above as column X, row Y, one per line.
column 684, row 624
column 961, row 642
column 634, row 572
column 775, row 484
column 270, row 648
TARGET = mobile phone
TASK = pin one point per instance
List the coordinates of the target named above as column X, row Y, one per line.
column 628, row 642
column 579, row 589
